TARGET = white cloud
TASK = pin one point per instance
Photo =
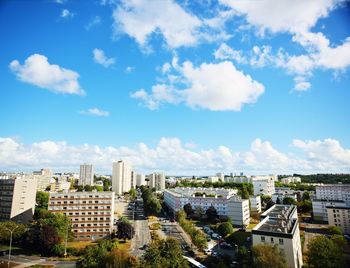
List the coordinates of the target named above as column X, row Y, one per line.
column 66, row 14
column 60, row 1
column 301, row 84
column 214, row 86
column 37, row 71
column 95, row 112
column 130, row 69
column 224, row 52
column 175, row 157
column 100, row 58
column 95, row 21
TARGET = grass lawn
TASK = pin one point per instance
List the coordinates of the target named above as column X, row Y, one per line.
column 80, row 244
column 238, row 237
column 252, row 225
column 124, row 245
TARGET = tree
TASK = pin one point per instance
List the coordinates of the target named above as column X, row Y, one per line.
column 164, row 253
column 42, row 200
column 211, row 213
column 125, row 229
column 289, row 201
column 132, row 193
column 225, row 228
column 306, row 196
column 339, row 240
column 188, row 209
column 120, row 259
column 199, row 212
column 278, row 200
column 325, row 253
column 5, row 234
column 335, row 230
column 265, row 255
column 244, row 258
column 304, row 206
column 244, row 192
column 153, row 206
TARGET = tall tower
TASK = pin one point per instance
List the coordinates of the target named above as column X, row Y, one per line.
column 121, row 177
column 86, row 175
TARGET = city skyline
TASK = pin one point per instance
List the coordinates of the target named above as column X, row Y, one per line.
column 230, row 87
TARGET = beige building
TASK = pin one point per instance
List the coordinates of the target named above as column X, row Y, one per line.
column 157, row 181
column 43, row 177
column 86, row 175
column 279, row 226
column 263, row 184
column 121, row 177
column 17, row 199
column 91, row 213
column 339, row 216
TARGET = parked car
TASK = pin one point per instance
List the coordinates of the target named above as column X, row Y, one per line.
column 215, row 236
column 208, row 238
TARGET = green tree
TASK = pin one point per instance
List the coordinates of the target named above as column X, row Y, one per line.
column 339, row 240
column 265, row 255
column 125, row 229
column 132, row 193
column 120, row 259
column 325, row 253
column 289, row 201
column 335, row 230
column 164, row 253
column 244, row 258
column 153, row 206
column 42, row 200
column 188, row 209
column 17, row 230
column 211, row 213
column 225, row 228
column 306, row 196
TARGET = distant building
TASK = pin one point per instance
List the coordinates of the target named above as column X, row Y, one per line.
column 60, row 186
column 238, row 179
column 221, row 176
column 279, row 226
column 255, row 203
column 86, row 176
column 264, row 185
column 213, row 179
column 121, row 177
column 91, row 213
column 291, row 180
column 133, row 179
column 157, row 181
column 339, row 216
column 43, row 178
column 17, row 199
column 140, row 179
column 225, row 201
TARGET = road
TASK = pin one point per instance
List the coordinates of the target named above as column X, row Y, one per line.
column 21, row 261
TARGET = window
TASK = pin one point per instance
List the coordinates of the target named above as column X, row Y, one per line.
column 280, row 241
column 262, row 238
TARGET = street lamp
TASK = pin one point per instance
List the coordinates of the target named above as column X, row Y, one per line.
column 11, row 232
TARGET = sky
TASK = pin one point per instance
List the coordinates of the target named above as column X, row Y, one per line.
column 184, row 87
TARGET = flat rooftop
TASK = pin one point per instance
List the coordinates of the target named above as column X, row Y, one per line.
column 189, row 192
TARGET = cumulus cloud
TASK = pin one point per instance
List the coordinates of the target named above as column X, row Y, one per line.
column 100, row 58
column 214, row 86
column 95, row 112
column 94, row 22
column 225, row 52
column 66, row 14
column 37, row 71
column 176, row 157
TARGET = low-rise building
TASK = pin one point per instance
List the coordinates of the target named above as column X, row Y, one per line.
column 225, row 201
column 279, row 226
column 91, row 213
column 238, row 179
column 288, row 180
column 255, row 203
column 17, row 199
column 339, row 216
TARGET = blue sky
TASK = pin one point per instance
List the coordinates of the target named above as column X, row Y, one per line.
column 187, row 87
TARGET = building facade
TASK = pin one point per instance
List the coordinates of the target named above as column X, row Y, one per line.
column 255, row 203
column 226, row 202
column 264, row 185
column 291, row 180
column 121, row 177
column 339, row 216
column 157, row 181
column 279, row 226
column 140, row 179
column 17, row 199
column 86, row 175
column 91, row 213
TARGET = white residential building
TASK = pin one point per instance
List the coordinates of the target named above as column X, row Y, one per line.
column 279, row 226
column 121, row 177
column 60, row 186
column 157, row 181
column 86, row 175
column 238, row 179
column 133, row 179
column 339, row 216
column 280, row 196
column 213, row 179
column 291, row 180
column 220, row 175
column 329, row 195
column 225, row 201
column 255, row 203
column 140, row 179
column 91, row 213
column 263, row 185
column 43, row 177
column 17, row 199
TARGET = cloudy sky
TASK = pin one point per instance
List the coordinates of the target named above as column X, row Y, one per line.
column 186, row 87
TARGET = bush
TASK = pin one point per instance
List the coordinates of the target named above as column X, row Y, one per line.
column 225, row 228
column 155, row 226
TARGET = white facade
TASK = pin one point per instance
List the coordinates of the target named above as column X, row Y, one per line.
column 264, row 185
column 140, row 179
column 17, row 199
column 279, row 226
column 340, row 217
column 255, row 203
column 86, row 176
column 133, row 179
column 319, row 208
column 281, row 196
column 220, row 175
column 91, row 213
column 238, row 179
column 291, row 180
column 60, row 186
column 121, row 178
column 213, row 179
column 225, row 201
column 157, row 181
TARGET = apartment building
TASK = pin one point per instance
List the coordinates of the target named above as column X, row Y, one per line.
column 263, row 184
column 157, row 181
column 225, row 201
column 43, row 178
column 91, row 213
column 255, row 203
column 288, row 180
column 60, row 186
column 121, row 177
column 86, row 175
column 329, row 195
column 140, row 179
column 279, row 226
column 339, row 216
column 238, row 179
column 17, row 199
